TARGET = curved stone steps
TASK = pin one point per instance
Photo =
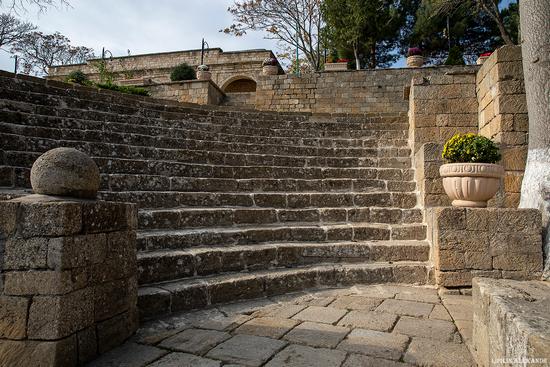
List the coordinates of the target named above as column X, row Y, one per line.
column 151, row 240
column 158, row 266
column 164, row 298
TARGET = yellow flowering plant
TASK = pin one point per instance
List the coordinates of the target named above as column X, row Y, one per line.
column 471, row 148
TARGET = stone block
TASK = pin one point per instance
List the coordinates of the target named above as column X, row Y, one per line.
column 115, row 331
column 375, row 343
column 440, row 330
column 39, row 353
column 29, row 283
column 325, row 315
column 267, row 326
column 13, row 317
column 369, row 320
column 195, row 341
column 297, row 355
column 77, row 251
column 49, row 218
column 8, row 218
column 55, row 317
column 25, row 254
column 103, row 216
column 246, row 350
column 424, row 351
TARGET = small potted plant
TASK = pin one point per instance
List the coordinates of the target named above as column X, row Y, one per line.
column 270, row 66
column 484, row 56
column 415, row 58
column 471, row 177
column 203, row 72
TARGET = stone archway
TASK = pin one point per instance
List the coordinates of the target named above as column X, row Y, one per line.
column 240, row 91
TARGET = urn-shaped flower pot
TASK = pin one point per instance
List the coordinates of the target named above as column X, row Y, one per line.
column 472, row 177
column 471, row 184
column 270, row 70
column 415, row 61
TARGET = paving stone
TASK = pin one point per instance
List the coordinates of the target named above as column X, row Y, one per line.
column 284, row 311
column 358, row 360
column 460, row 312
column 453, row 299
column 377, row 291
column 427, row 328
column 406, row 308
column 302, row 356
column 430, row 352
column 129, row 355
column 184, row 360
column 195, row 341
column 466, row 329
column 246, row 307
column 369, row 320
column 375, row 343
column 247, row 350
column 317, row 335
column 326, row 315
column 356, row 303
column 267, row 326
column 215, row 320
column 440, row 313
column 419, row 294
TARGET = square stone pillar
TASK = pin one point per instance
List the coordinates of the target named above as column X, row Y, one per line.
column 68, row 279
column 487, row 242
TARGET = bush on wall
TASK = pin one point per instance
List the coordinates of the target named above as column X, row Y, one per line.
column 183, row 72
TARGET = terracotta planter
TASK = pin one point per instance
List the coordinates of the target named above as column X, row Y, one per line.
column 415, row 61
column 471, row 184
column 336, row 66
column 270, row 70
column 204, row 75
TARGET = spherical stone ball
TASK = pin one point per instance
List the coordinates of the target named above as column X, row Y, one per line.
column 65, row 172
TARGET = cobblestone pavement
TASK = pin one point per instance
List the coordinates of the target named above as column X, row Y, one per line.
column 378, row 325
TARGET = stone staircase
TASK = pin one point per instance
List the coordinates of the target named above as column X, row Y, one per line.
column 232, row 204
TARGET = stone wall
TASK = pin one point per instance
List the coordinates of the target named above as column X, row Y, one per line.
column 511, row 322
column 69, row 288
column 203, row 92
column 365, row 91
column 489, row 242
column 503, row 117
column 224, row 66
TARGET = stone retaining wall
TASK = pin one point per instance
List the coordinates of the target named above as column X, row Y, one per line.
column 503, row 117
column 69, row 289
column 204, row 92
column 490, row 242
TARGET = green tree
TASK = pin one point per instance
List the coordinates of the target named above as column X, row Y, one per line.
column 370, row 29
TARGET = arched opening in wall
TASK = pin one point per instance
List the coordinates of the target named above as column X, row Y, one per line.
column 240, row 91
column 241, row 86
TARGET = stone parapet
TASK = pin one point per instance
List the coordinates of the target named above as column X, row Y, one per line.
column 204, row 92
column 488, row 242
column 511, row 322
column 69, row 288
column 503, row 117
column 430, row 184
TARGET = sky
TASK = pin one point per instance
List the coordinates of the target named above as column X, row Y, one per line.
column 145, row 26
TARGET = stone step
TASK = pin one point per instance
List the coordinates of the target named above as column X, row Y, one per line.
column 126, row 145
column 151, row 240
column 78, row 129
column 58, row 115
column 164, row 298
column 158, row 266
column 321, row 212
column 264, row 197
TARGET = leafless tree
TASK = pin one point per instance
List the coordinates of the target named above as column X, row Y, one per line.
column 12, row 30
column 22, row 5
column 295, row 23
column 38, row 52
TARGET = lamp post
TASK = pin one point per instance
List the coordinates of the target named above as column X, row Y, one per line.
column 204, row 43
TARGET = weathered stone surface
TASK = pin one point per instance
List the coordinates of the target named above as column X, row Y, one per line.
column 247, row 350
column 114, row 331
column 130, row 354
column 24, row 254
column 427, row 328
column 317, row 335
column 301, row 356
column 326, row 315
column 358, row 360
column 38, row 353
column 437, row 353
column 47, row 217
column 279, row 311
column 356, row 303
column 65, row 172
column 195, row 340
column 375, row 343
column 267, row 326
column 13, row 317
column 440, row 313
column 405, row 308
column 184, row 359
column 369, row 320
column 28, row 283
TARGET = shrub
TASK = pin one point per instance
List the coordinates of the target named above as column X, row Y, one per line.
column 455, row 57
column 183, row 72
column 470, row 148
column 124, row 89
column 78, row 77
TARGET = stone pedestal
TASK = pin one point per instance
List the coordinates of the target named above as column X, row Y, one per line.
column 68, row 270
column 487, row 242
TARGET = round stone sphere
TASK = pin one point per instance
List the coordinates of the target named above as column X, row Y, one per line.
column 65, row 172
